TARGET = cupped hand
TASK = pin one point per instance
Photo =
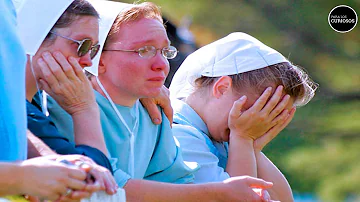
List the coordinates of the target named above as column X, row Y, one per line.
column 262, row 141
column 260, row 117
column 64, row 80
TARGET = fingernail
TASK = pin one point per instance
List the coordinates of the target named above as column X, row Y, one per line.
column 40, row 60
column 71, row 58
column 269, row 89
column 46, row 54
column 243, row 97
column 156, row 120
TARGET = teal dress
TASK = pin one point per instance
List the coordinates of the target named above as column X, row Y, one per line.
column 156, row 155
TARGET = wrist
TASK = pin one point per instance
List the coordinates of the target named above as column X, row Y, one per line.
column 235, row 138
column 90, row 110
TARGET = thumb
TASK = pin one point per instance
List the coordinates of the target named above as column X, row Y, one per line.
column 237, row 106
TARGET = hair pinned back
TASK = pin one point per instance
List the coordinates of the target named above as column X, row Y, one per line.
column 136, row 12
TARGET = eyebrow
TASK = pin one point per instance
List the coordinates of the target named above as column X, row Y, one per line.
column 168, row 42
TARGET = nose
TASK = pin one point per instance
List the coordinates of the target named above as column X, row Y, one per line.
column 160, row 63
column 85, row 61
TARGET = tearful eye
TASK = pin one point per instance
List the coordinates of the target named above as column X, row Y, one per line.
column 147, row 51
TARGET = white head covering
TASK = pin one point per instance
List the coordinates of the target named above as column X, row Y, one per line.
column 108, row 10
column 35, row 19
column 236, row 53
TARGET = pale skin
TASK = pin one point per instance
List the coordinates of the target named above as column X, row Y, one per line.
column 127, row 78
column 248, row 123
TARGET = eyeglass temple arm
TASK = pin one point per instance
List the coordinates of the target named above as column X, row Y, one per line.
column 65, row 37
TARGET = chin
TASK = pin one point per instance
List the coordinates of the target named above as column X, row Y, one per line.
column 152, row 93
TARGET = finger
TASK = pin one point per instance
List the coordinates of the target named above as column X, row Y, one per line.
column 274, row 100
column 65, row 65
column 77, row 195
column 280, row 107
column 235, row 111
column 99, row 178
column 75, row 184
column 91, row 188
column 110, row 184
column 258, row 183
column 288, row 117
column 45, row 86
column 77, row 69
column 261, row 101
column 77, row 174
column 168, row 110
column 152, row 109
column 280, row 118
column 54, row 67
column 46, row 73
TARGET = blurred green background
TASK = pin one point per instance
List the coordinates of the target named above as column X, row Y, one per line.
column 319, row 152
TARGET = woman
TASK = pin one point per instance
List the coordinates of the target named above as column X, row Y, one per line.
column 222, row 95
column 60, row 39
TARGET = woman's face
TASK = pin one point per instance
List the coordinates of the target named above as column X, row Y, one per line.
column 84, row 27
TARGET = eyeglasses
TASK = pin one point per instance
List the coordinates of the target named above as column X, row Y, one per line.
column 150, row 51
column 84, row 47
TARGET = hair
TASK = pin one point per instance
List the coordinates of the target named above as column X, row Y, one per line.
column 134, row 13
column 296, row 82
column 76, row 9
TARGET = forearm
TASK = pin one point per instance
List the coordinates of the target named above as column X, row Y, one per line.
column 10, row 179
column 143, row 190
column 241, row 160
column 36, row 147
column 268, row 171
column 87, row 129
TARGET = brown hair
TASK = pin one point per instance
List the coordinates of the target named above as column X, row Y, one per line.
column 134, row 13
column 74, row 10
column 296, row 81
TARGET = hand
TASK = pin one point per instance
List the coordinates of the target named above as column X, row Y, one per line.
column 259, row 118
column 103, row 178
column 65, row 81
column 240, row 189
column 262, row 141
column 48, row 179
column 164, row 101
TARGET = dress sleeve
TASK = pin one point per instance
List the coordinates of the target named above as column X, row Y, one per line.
column 45, row 129
column 195, row 149
column 167, row 164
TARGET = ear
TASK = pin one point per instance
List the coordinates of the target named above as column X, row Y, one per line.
column 102, row 67
column 222, row 86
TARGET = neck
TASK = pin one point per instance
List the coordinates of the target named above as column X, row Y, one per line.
column 198, row 104
column 118, row 96
column 30, row 82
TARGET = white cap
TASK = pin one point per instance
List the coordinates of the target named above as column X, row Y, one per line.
column 108, row 11
column 35, row 20
column 236, row 53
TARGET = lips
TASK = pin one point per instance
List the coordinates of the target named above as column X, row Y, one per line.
column 157, row 79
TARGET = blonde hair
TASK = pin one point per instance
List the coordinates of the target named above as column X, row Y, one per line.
column 296, row 82
column 134, row 13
